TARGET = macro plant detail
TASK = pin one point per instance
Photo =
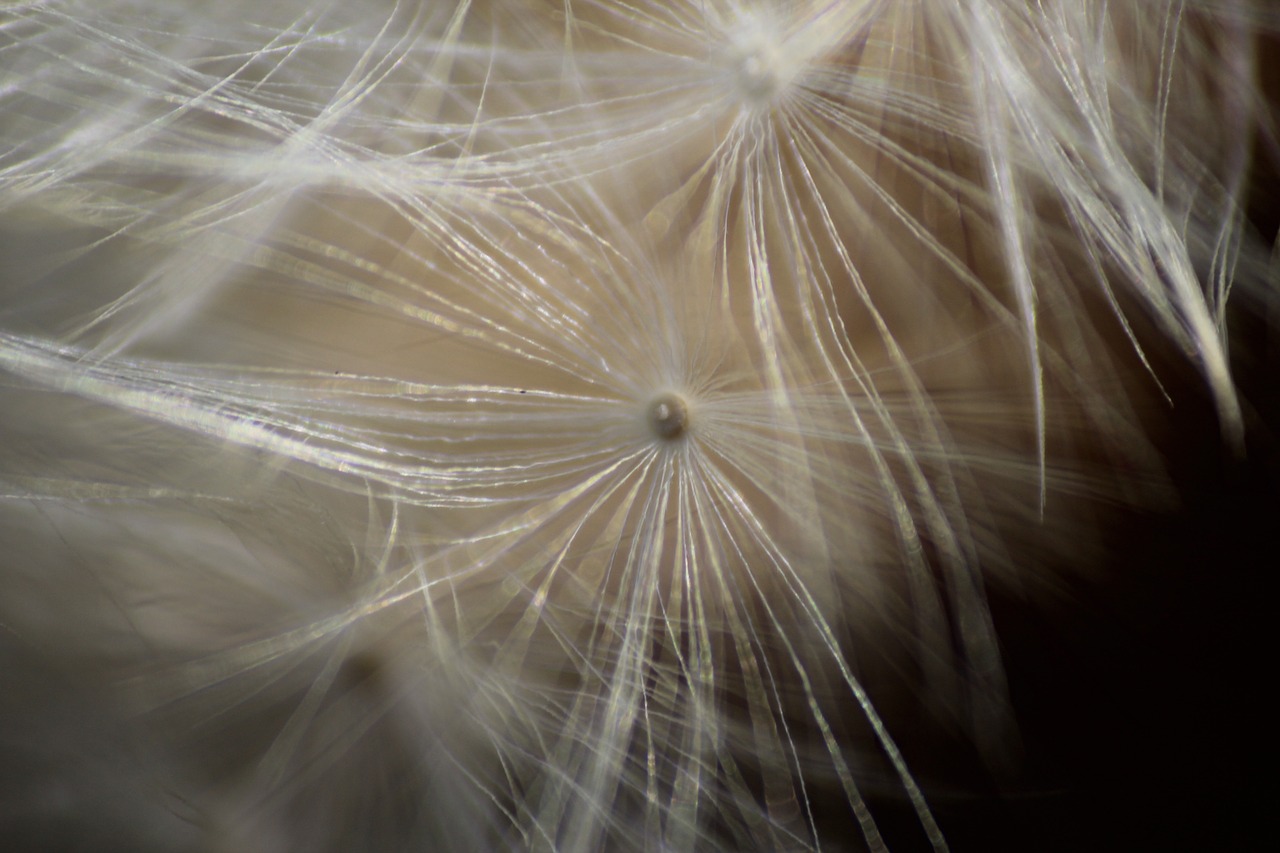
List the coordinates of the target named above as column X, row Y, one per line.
column 595, row 425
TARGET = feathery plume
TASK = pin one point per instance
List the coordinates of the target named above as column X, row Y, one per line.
column 593, row 425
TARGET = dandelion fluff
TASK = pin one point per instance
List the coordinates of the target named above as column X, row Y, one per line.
column 604, row 425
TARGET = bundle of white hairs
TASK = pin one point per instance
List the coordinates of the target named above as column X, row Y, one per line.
column 621, row 424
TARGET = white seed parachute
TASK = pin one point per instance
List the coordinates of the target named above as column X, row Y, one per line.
column 590, row 425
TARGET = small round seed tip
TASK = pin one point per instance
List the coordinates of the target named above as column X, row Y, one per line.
column 669, row 416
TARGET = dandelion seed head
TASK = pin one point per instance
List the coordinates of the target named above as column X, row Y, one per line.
column 624, row 406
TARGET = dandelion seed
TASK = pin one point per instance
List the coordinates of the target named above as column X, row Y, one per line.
column 669, row 416
column 705, row 369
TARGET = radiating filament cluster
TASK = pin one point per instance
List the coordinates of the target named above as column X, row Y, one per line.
column 580, row 418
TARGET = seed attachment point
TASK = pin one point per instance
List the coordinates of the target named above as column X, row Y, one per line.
column 669, row 416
